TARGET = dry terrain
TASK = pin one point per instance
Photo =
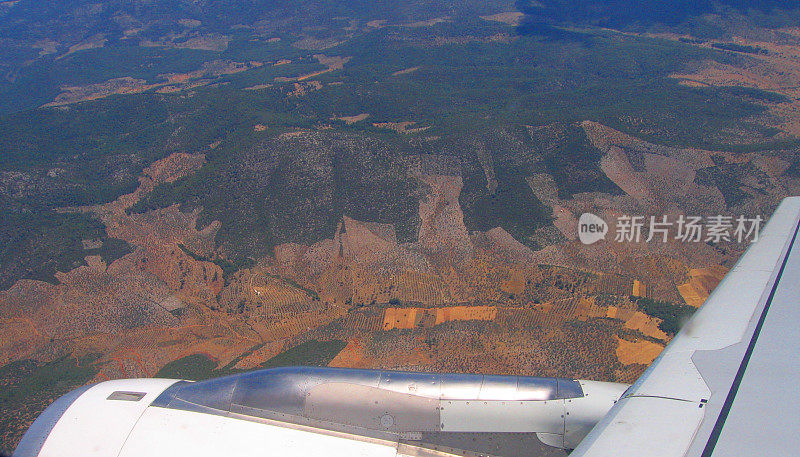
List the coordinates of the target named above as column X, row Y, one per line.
column 447, row 298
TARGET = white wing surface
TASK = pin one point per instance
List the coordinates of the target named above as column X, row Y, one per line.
column 307, row 411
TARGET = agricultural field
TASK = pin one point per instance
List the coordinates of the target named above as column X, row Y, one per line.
column 194, row 189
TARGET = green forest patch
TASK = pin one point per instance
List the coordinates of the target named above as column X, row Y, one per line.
column 36, row 245
column 265, row 195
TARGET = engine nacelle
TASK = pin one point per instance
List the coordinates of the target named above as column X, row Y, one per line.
column 391, row 408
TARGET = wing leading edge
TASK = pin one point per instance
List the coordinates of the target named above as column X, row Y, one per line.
column 725, row 384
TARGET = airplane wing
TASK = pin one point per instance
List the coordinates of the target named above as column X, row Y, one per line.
column 727, row 383
column 307, row 411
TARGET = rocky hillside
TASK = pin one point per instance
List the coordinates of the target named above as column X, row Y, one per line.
column 371, row 187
